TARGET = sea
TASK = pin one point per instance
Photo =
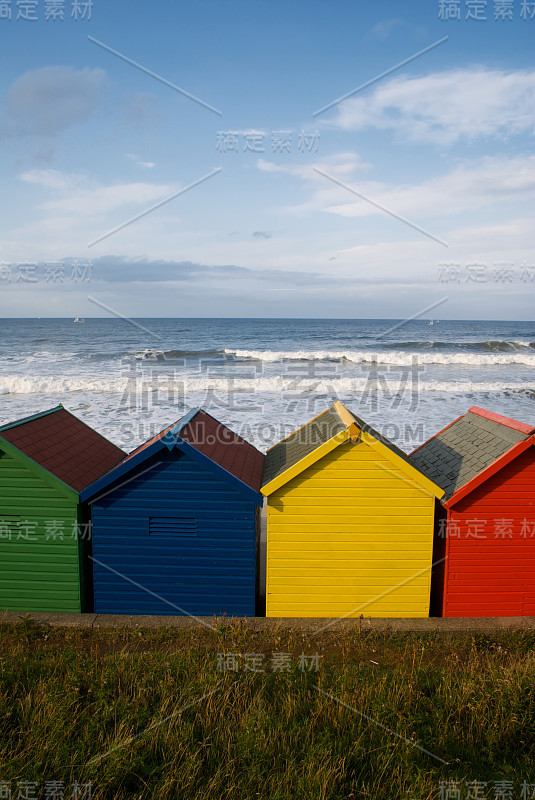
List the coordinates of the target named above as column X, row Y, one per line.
column 265, row 377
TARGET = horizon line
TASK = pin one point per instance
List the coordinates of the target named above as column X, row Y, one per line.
column 333, row 319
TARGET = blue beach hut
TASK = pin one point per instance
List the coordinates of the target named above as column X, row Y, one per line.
column 175, row 525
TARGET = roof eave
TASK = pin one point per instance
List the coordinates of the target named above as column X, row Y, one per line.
column 14, row 451
column 408, row 471
column 119, row 471
column 191, row 451
column 31, row 418
column 91, row 493
column 310, row 459
column 501, row 462
column 185, row 420
column 507, row 422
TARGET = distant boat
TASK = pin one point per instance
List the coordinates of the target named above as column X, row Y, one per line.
column 431, row 322
column 79, row 319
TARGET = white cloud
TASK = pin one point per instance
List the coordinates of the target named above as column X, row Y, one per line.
column 246, row 132
column 46, row 101
column 53, row 179
column 488, row 244
column 384, row 28
column 448, row 106
column 340, row 165
column 488, row 182
column 139, row 162
column 78, row 195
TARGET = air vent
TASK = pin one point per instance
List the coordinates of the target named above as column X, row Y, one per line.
column 172, row 526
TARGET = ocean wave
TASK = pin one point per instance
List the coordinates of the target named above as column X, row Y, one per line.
column 52, row 384
column 147, row 354
column 476, row 354
column 398, row 358
column 152, row 354
column 290, row 385
column 490, row 346
column 41, row 356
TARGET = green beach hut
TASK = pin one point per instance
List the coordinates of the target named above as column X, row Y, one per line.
column 45, row 462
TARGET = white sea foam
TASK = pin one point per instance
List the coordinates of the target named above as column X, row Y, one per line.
column 54, row 385
column 399, row 358
column 39, row 357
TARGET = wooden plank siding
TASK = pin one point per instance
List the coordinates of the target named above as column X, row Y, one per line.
column 349, row 536
column 493, row 576
column 39, row 572
column 211, row 570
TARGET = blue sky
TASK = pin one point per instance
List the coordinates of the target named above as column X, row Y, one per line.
column 335, row 214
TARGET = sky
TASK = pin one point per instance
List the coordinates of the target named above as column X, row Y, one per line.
column 267, row 158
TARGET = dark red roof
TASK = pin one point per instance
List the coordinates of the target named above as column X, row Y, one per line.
column 148, row 443
column 64, row 445
column 226, row 448
column 215, row 441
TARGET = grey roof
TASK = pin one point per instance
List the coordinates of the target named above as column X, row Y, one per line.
column 455, row 456
column 379, row 436
column 304, row 441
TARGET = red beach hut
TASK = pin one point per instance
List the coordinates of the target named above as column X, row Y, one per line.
column 484, row 548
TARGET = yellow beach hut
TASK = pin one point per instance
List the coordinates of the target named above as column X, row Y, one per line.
column 349, row 523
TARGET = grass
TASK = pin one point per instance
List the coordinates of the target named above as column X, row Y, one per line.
column 148, row 713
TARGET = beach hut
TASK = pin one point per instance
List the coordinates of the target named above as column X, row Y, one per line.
column 349, row 523
column 485, row 536
column 175, row 525
column 45, row 461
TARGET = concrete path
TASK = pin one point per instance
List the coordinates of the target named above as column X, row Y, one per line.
column 101, row 621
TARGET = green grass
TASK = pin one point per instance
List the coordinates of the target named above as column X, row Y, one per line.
column 69, row 696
